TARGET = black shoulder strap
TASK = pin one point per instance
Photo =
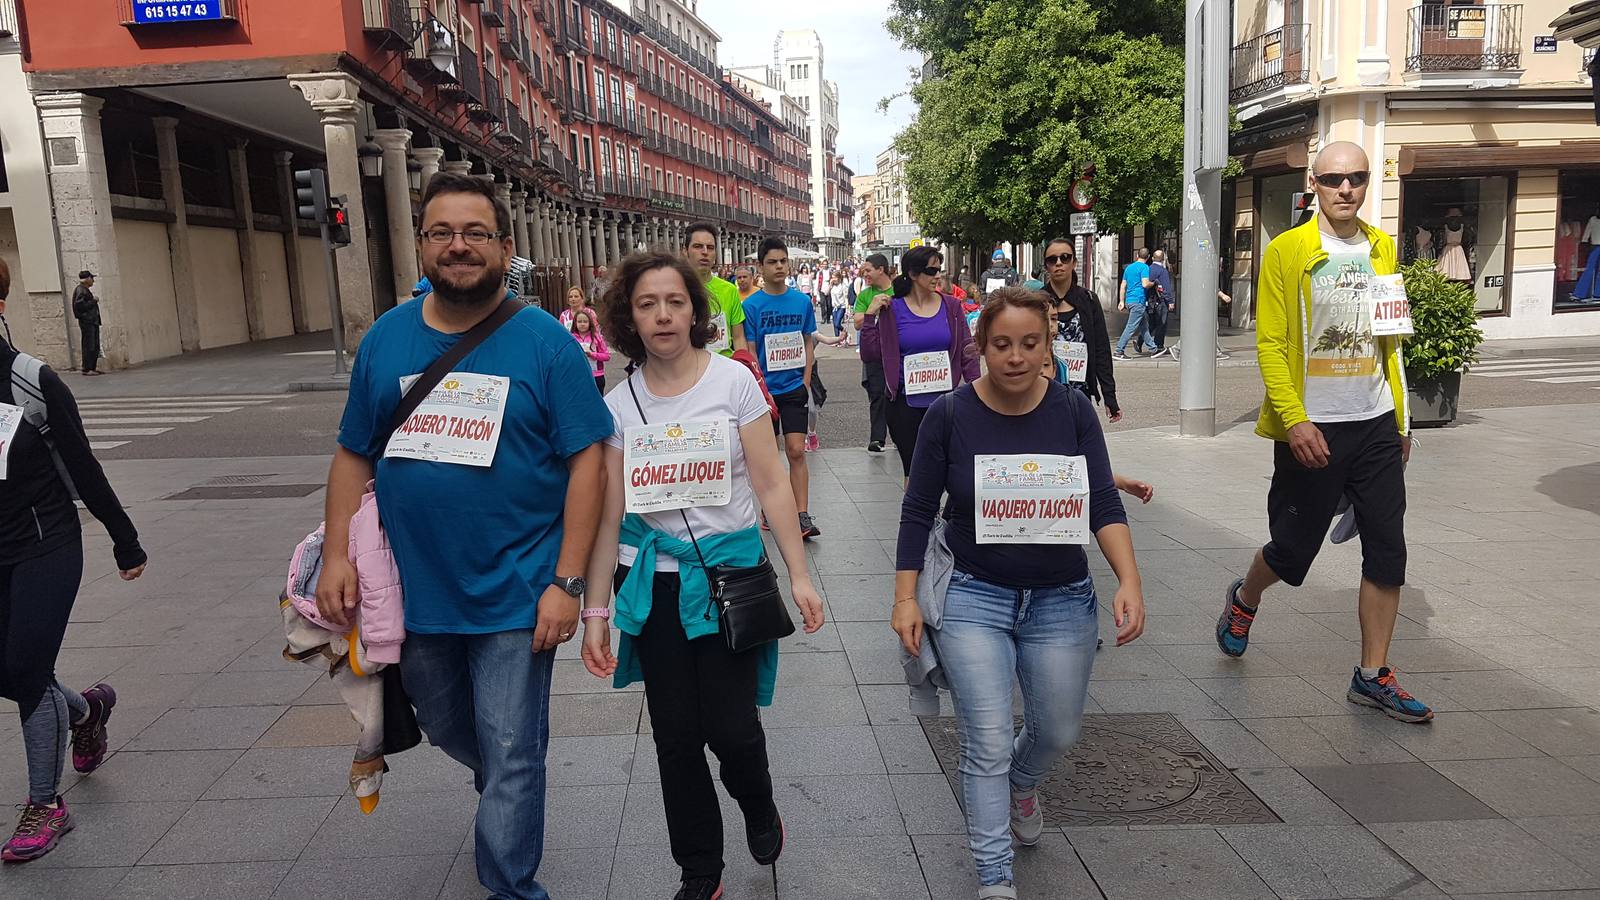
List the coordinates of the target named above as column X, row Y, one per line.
column 441, row 367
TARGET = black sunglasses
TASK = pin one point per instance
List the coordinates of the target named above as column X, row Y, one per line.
column 1062, row 258
column 1337, row 179
column 932, row 270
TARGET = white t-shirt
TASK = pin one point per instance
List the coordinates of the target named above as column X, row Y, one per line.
column 726, row 391
column 841, row 296
column 1344, row 370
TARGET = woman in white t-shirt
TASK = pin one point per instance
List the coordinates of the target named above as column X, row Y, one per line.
column 840, row 295
column 691, row 427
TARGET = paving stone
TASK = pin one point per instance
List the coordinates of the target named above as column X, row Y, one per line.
column 1268, row 697
column 1588, row 765
column 1232, row 744
column 906, row 750
column 168, row 775
column 1482, row 857
column 37, row 883
column 834, row 806
column 799, row 671
column 1558, row 732
column 828, row 868
column 1206, row 661
column 1524, row 787
column 201, row 881
column 1049, row 870
column 928, row 804
column 221, row 728
column 1193, row 864
column 583, row 817
column 1292, row 798
column 824, row 640
column 242, row 831
column 1135, row 662
column 404, row 824
column 1325, row 862
column 1485, row 691
column 648, row 873
column 1575, row 837
column 1453, row 735
column 1328, row 740
column 1178, row 696
column 816, row 705
column 390, row 877
column 112, row 834
column 877, row 667
column 889, row 704
column 605, row 759
column 832, row 750
column 1396, row 792
column 265, row 772
column 312, row 726
column 278, row 688
column 867, row 636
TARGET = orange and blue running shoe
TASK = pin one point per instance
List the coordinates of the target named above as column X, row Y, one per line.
column 1233, row 628
column 1386, row 694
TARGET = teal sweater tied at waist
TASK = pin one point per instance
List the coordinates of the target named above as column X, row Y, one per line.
column 634, row 598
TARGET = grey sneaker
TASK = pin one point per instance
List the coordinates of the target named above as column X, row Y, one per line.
column 1027, row 821
column 808, row 526
column 1005, row 890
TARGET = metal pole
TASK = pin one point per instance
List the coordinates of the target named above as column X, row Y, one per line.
column 335, row 308
column 1204, row 112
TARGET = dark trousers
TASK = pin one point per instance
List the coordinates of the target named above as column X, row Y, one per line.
column 1159, row 314
column 877, row 402
column 91, row 345
column 904, row 422
column 36, row 597
column 700, row 694
column 600, row 382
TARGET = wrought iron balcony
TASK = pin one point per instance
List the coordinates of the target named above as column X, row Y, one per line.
column 471, row 75
column 1269, row 62
column 493, row 14
column 390, row 22
column 1485, row 38
column 493, row 106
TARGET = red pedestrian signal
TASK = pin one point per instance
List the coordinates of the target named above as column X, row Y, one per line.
column 338, row 223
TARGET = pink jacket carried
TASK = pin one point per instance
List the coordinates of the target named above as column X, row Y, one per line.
column 380, row 625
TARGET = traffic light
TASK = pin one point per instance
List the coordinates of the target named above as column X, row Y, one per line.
column 311, row 194
column 1303, row 205
column 338, row 223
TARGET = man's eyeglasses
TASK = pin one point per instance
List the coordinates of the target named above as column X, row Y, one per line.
column 932, row 270
column 475, row 237
column 1062, row 258
column 1337, row 179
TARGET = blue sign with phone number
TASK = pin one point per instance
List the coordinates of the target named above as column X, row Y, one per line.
column 149, row 12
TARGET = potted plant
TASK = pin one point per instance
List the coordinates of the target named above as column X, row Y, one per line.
column 1443, row 342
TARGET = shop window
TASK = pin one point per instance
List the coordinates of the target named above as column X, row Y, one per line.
column 1578, row 241
column 133, row 167
column 1465, row 225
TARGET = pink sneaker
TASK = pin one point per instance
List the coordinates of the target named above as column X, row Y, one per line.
column 37, row 831
column 89, row 736
column 813, row 444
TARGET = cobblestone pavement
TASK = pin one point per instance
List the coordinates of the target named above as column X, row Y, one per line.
column 228, row 776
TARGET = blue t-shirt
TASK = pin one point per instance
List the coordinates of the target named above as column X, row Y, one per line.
column 476, row 547
column 1133, row 276
column 768, row 314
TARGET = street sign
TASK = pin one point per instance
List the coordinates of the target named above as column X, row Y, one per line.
column 151, row 12
column 900, row 235
column 1083, row 223
column 1544, row 43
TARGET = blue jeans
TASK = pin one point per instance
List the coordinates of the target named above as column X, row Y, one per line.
column 484, row 699
column 1137, row 325
column 1044, row 637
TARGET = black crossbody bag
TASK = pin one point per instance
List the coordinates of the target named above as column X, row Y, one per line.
column 750, row 608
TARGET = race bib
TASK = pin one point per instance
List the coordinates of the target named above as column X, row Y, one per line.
column 10, row 421
column 676, row 465
column 458, row 422
column 1391, row 311
column 928, row 373
column 1032, row 499
column 786, row 350
column 1076, row 355
column 719, row 334
column 993, row 284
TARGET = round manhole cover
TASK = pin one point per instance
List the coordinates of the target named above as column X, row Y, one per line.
column 1113, row 770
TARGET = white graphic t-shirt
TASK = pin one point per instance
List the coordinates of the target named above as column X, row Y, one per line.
column 1344, row 371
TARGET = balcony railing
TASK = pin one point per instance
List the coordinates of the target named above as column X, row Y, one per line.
column 493, row 106
column 8, row 18
column 389, row 21
column 493, row 14
column 511, row 40
column 471, row 75
column 1485, row 38
column 1269, row 62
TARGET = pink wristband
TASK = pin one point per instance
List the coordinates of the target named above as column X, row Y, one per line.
column 597, row 612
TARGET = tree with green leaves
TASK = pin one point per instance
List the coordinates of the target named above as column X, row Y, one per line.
column 1026, row 96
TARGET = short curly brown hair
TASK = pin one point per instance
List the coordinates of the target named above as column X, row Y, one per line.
column 618, row 301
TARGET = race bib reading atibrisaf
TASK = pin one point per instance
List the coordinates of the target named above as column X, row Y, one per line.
column 10, row 421
column 458, row 422
column 1076, row 355
column 1032, row 499
column 927, row 373
column 719, row 338
column 1391, row 311
column 786, row 350
column 676, row 465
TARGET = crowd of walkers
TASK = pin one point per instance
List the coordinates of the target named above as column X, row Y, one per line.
column 521, row 509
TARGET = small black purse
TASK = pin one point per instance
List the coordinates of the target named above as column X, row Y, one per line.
column 750, row 608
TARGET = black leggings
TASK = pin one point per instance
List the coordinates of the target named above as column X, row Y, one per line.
column 36, row 598
column 904, row 422
column 700, row 694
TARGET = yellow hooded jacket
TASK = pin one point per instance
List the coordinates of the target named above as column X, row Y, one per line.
column 1283, row 323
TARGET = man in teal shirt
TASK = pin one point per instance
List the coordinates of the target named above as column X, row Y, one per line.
column 727, row 310
column 880, row 283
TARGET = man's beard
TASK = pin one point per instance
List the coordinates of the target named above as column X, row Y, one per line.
column 476, row 293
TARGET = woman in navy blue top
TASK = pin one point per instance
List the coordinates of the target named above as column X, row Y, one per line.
column 1023, row 463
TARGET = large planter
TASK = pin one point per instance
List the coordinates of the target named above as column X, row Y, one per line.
column 1434, row 401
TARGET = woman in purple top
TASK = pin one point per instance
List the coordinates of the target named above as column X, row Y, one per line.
column 1023, row 465
column 921, row 336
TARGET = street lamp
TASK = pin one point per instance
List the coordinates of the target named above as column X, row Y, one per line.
column 370, row 157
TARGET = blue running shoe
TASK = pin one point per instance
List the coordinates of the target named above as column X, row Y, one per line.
column 1386, row 694
column 1233, row 628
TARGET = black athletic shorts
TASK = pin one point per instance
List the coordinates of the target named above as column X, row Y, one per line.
column 791, row 412
column 1364, row 464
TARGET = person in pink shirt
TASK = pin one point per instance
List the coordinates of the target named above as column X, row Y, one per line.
column 593, row 343
column 575, row 303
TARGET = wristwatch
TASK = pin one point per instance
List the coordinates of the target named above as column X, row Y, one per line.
column 574, row 586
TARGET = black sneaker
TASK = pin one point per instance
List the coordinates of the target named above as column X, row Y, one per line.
column 808, row 526
column 699, row 889
column 766, row 842
column 875, row 447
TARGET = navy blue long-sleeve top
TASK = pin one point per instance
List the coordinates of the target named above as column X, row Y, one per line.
column 960, row 427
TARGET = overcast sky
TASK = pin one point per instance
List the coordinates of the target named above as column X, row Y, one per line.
column 858, row 55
